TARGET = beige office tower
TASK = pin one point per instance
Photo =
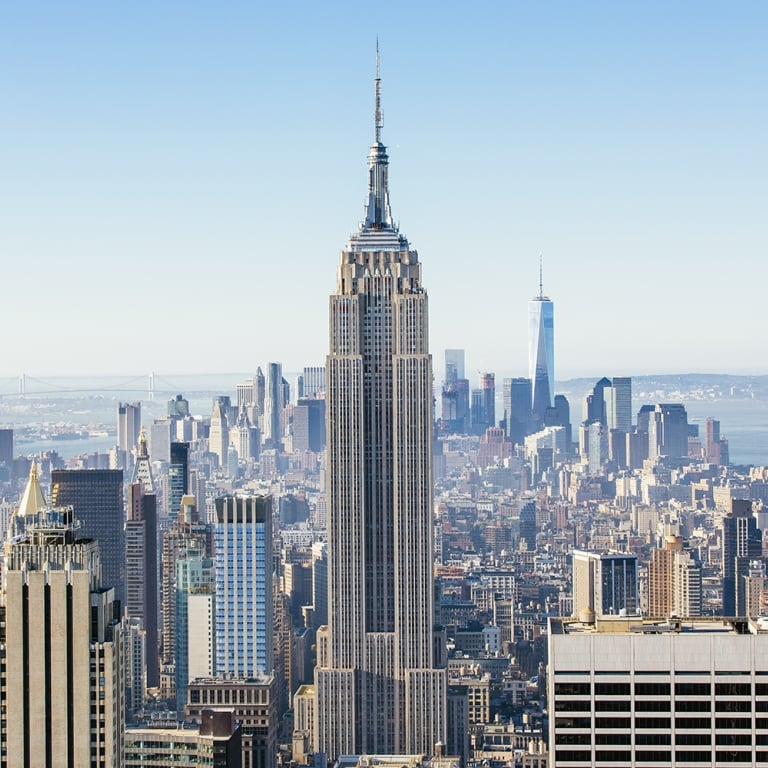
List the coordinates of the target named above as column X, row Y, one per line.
column 378, row 691
column 61, row 660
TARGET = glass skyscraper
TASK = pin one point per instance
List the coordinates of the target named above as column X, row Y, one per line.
column 541, row 354
column 243, row 562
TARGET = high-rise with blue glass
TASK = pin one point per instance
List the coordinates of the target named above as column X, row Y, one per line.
column 243, row 563
column 541, row 353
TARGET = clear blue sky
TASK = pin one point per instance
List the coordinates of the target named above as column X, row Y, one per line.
column 177, row 179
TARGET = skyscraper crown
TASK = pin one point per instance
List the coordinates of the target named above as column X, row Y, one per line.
column 378, row 231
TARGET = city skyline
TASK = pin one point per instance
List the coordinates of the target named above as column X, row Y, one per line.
column 142, row 146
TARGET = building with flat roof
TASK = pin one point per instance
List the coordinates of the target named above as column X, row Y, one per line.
column 253, row 701
column 629, row 691
column 214, row 742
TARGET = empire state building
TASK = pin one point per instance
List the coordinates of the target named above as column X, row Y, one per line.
column 376, row 686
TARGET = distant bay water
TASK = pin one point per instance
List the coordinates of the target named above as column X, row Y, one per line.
column 93, row 401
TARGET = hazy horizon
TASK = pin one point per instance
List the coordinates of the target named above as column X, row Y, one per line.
column 178, row 180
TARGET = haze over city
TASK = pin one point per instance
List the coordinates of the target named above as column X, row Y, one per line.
column 178, row 180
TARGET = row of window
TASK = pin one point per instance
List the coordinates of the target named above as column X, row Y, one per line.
column 659, row 705
column 660, row 689
column 617, row 757
column 625, row 723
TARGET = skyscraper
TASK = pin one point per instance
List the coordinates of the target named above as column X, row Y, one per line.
column 605, row 583
column 541, row 352
column 243, row 556
column 97, row 497
column 484, row 404
column 618, row 404
column 218, row 438
column 377, row 687
column 6, row 447
column 454, row 365
column 668, row 431
column 61, row 658
column 178, row 477
column 742, row 543
column 517, row 408
column 141, row 557
column 274, row 403
column 128, row 427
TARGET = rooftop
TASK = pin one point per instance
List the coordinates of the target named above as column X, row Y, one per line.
column 637, row 625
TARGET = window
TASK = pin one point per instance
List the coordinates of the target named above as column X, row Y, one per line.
column 652, row 722
column 733, row 689
column 613, row 738
column 693, row 689
column 652, row 689
column 612, row 689
column 573, row 738
column 613, row 722
column 612, row 705
column 572, row 689
column 653, row 738
column 688, row 739
column 653, row 705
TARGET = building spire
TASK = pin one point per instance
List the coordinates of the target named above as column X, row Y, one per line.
column 379, row 122
column 33, row 500
column 541, row 275
column 377, row 211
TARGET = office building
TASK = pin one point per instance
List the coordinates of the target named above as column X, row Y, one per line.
column 128, row 428
column 187, row 535
column 216, row 742
column 605, row 583
column 618, row 404
column 62, row 678
column 517, row 408
column 528, row 527
column 194, row 618
column 454, row 365
column 742, row 543
column 484, row 404
column 309, row 425
column 313, row 382
column 161, row 432
column 378, row 690
column 668, row 431
column 253, row 704
column 141, row 546
column 243, row 556
column 674, row 581
column 178, row 477
column 686, row 692
column 6, row 448
column 541, row 353
column 274, row 402
column 594, row 404
column 97, row 498
column 218, row 435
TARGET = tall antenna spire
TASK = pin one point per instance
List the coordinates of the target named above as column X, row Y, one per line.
column 541, row 276
column 377, row 118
